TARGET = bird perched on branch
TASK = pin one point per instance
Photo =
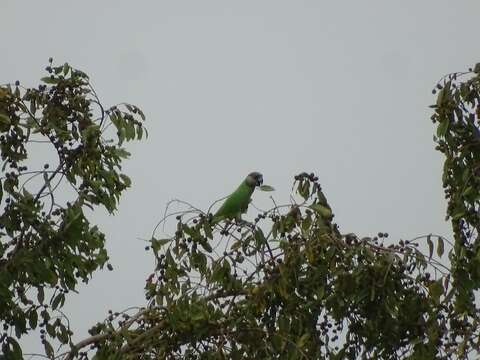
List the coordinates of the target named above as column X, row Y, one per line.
column 237, row 202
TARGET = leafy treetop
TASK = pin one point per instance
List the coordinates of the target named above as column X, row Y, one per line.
column 47, row 245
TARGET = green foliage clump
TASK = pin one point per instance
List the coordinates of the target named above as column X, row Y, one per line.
column 288, row 285
column 47, row 244
column 457, row 116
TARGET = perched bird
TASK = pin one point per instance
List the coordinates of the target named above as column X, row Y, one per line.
column 237, row 202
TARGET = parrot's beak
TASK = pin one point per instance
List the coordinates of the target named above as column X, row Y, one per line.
column 260, row 181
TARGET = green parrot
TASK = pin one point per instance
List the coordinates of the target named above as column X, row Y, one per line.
column 237, row 202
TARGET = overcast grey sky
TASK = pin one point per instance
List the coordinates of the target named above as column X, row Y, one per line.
column 340, row 88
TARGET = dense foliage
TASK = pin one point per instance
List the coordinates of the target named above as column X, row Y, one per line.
column 47, row 244
column 289, row 285
column 457, row 115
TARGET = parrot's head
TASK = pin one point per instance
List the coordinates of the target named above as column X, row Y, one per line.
column 254, row 179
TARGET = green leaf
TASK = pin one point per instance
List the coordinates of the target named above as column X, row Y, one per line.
column 198, row 314
column 283, row 324
column 50, row 329
column 306, row 224
column 126, row 180
column 208, row 230
column 321, row 292
column 303, row 340
column 440, row 97
column 122, row 133
column 130, row 131
column 50, row 80
column 226, row 266
column 443, row 127
column 430, row 246
column 20, row 326
column 4, row 119
column 278, row 343
column 65, row 69
column 139, row 132
column 304, row 189
column 48, row 349
column 13, row 351
column 158, row 243
column 142, row 115
column 62, row 335
column 206, row 246
column 476, row 68
column 440, row 246
column 199, row 261
column 40, row 295
column 436, row 290
column 323, row 211
column 122, row 153
column 266, row 188
column 33, row 318
column 259, row 237
column 469, row 191
column 57, row 300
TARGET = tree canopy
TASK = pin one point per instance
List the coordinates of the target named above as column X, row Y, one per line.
column 47, row 244
column 288, row 285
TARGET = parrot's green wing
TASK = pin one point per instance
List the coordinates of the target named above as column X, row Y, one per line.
column 237, row 203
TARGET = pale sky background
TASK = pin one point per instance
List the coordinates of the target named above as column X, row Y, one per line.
column 340, row 88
